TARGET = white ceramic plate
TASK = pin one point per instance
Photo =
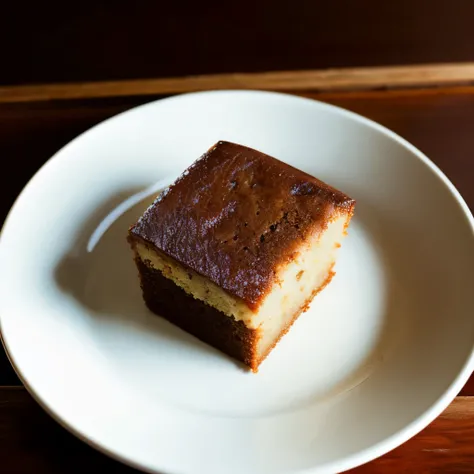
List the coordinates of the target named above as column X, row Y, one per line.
column 380, row 354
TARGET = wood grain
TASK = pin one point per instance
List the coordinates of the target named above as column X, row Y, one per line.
column 439, row 121
column 45, row 42
column 31, row 442
column 468, row 389
column 321, row 80
column 445, row 446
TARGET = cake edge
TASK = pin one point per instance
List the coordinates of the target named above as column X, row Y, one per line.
column 233, row 338
column 341, row 204
column 248, row 336
column 298, row 313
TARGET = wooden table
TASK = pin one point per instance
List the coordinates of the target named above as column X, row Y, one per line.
column 41, row 42
column 431, row 106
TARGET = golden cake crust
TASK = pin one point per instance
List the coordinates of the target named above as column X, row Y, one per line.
column 236, row 215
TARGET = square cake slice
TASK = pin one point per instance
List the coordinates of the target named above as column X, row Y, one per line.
column 237, row 248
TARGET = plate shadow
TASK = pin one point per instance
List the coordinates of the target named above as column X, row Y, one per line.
column 104, row 279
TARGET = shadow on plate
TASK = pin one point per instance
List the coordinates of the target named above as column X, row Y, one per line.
column 100, row 274
column 396, row 310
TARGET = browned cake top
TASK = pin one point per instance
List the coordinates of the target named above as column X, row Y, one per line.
column 237, row 214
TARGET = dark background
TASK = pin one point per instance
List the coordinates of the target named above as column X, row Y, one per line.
column 43, row 42
column 80, row 41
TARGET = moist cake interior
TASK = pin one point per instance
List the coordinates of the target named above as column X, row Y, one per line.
column 237, row 247
column 296, row 284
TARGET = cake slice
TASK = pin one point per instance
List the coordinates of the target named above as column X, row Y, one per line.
column 237, row 248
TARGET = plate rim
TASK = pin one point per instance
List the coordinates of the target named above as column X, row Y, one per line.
column 347, row 462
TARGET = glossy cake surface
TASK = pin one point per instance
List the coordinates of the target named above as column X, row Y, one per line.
column 236, row 215
column 247, row 236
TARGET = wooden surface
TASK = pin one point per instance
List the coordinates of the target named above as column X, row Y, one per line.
column 440, row 121
column 388, row 77
column 56, row 41
column 31, row 442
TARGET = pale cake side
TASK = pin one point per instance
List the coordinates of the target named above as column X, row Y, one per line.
column 284, row 233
